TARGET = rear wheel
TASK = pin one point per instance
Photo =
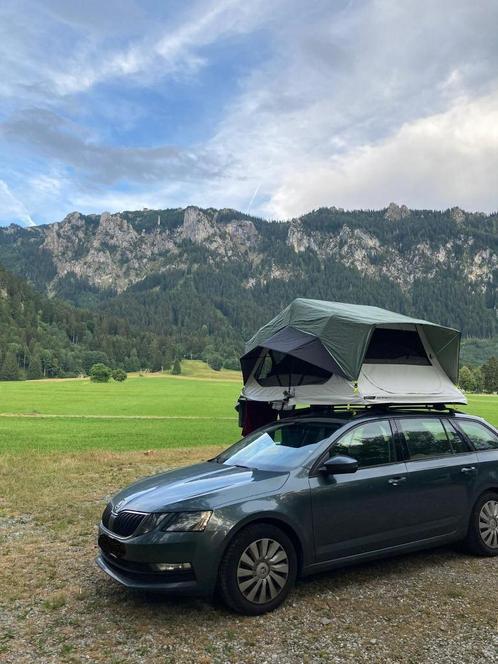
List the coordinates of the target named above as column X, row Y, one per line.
column 258, row 570
column 482, row 538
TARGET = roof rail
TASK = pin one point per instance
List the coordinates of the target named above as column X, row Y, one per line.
column 438, row 407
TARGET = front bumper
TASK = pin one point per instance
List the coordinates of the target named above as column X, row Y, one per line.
column 128, row 561
column 163, row 583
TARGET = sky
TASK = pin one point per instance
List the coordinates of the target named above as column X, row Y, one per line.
column 272, row 107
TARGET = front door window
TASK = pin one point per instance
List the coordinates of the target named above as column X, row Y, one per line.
column 370, row 444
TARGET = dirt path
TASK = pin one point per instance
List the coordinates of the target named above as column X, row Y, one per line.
column 115, row 417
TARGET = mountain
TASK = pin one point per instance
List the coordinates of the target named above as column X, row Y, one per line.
column 206, row 279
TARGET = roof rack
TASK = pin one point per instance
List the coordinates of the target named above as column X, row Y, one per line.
column 361, row 409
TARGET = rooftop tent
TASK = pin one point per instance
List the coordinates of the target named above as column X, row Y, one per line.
column 319, row 352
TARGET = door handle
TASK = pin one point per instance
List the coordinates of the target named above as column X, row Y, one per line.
column 468, row 470
column 394, row 481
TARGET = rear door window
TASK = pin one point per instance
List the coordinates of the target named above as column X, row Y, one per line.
column 458, row 442
column 425, row 438
column 480, row 436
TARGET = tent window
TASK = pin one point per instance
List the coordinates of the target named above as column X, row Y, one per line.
column 396, row 347
column 280, row 369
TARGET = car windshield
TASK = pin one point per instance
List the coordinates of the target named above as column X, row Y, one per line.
column 279, row 447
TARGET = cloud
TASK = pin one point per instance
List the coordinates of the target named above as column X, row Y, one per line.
column 436, row 162
column 350, row 103
column 11, row 208
column 45, row 133
column 352, row 80
column 86, row 55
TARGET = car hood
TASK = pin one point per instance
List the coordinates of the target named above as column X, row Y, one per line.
column 201, row 486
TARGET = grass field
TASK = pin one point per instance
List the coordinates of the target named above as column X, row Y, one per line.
column 67, row 445
column 145, row 412
column 153, row 411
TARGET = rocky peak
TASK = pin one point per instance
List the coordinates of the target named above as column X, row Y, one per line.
column 114, row 230
column 73, row 218
column 242, row 233
column 196, row 226
column 457, row 214
column 297, row 237
column 396, row 212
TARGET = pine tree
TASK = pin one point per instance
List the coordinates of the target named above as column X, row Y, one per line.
column 466, row 380
column 478, row 379
column 133, row 363
column 490, row 374
column 35, row 367
column 10, row 369
column 177, row 368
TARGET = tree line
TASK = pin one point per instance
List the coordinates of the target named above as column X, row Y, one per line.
column 480, row 379
column 47, row 338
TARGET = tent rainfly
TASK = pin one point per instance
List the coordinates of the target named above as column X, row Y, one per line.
column 333, row 353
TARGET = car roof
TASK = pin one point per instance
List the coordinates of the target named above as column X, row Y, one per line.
column 358, row 415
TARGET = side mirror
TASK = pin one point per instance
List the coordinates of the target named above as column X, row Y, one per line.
column 339, row 465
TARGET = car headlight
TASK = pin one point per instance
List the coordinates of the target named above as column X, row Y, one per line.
column 151, row 522
column 187, row 522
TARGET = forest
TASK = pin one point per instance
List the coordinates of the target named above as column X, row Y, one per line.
column 207, row 285
column 42, row 337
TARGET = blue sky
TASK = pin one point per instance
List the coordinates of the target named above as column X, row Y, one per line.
column 270, row 107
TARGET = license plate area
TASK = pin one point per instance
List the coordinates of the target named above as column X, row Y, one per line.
column 111, row 547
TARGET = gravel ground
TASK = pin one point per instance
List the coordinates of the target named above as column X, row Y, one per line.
column 56, row 606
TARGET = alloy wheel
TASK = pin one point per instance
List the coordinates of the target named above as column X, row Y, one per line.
column 262, row 571
column 488, row 523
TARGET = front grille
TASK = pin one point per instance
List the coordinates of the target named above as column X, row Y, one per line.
column 107, row 515
column 125, row 523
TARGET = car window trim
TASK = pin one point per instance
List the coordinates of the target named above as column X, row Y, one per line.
column 432, row 458
column 314, row 468
column 448, row 423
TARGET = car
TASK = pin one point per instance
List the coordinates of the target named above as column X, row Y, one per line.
column 303, row 495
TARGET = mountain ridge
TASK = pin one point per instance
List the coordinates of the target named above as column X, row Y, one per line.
column 178, row 271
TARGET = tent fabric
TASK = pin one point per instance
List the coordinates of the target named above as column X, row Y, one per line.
column 345, row 330
column 297, row 344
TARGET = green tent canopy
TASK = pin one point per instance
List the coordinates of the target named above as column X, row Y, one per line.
column 343, row 341
column 345, row 331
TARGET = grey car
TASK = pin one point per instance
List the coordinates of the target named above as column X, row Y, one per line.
column 303, row 495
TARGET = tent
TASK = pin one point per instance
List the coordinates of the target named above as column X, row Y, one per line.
column 333, row 353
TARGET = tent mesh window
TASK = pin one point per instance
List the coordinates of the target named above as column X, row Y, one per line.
column 281, row 369
column 396, row 347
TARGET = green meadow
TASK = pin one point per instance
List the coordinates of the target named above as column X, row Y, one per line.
column 155, row 411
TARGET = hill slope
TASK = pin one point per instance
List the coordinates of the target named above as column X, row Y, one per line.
column 42, row 337
column 208, row 278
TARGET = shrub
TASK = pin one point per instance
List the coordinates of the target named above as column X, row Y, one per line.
column 232, row 363
column 100, row 373
column 215, row 361
column 177, row 368
column 119, row 375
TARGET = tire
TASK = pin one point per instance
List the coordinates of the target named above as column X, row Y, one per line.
column 482, row 536
column 258, row 570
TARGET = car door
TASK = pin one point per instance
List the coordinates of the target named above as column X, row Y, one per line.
column 363, row 511
column 442, row 472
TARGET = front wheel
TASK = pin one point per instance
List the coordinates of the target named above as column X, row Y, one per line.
column 258, row 569
column 482, row 537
